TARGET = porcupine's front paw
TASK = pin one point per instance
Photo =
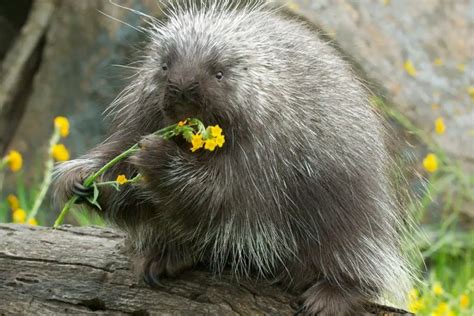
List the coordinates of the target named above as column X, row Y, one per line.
column 169, row 263
column 325, row 299
column 69, row 179
column 147, row 159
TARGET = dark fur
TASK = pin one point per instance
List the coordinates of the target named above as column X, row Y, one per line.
column 299, row 193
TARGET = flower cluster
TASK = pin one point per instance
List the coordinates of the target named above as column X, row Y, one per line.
column 14, row 161
column 434, row 301
column 415, row 302
column 59, row 152
column 19, row 215
column 430, row 162
column 192, row 130
column 210, row 139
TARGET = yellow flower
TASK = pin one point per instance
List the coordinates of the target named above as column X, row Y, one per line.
column 216, row 130
column 182, row 123
column 33, row 222
column 430, row 163
column 435, row 106
column 211, row 144
column 461, row 67
column 60, row 152
column 413, row 294
column 438, row 62
column 442, row 309
column 464, row 301
column 447, row 312
column 470, row 91
column 14, row 160
column 440, row 128
column 62, row 125
column 121, row 179
column 437, row 288
column 19, row 216
column 13, row 202
column 416, row 305
column 409, row 68
column 220, row 140
column 197, row 142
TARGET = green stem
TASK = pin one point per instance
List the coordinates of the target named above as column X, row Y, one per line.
column 88, row 182
column 3, row 163
column 131, row 181
column 166, row 133
column 106, row 183
column 48, row 176
column 64, row 211
column 2, row 176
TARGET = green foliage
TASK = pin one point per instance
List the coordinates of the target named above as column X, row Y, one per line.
column 446, row 242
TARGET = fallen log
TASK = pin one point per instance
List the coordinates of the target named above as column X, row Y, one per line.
column 83, row 270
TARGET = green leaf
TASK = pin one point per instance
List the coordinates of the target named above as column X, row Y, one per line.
column 188, row 133
column 206, row 134
column 96, row 191
column 93, row 200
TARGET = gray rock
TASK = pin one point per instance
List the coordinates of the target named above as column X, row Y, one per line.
column 381, row 35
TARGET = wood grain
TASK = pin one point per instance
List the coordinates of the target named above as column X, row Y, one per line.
column 83, row 270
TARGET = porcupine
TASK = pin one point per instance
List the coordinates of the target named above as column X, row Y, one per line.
column 300, row 193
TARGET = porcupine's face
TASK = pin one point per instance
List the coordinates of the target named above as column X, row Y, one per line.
column 192, row 78
column 199, row 69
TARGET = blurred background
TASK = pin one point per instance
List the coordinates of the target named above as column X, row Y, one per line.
column 71, row 58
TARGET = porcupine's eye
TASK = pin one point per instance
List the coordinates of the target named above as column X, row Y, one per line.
column 220, row 75
column 164, row 66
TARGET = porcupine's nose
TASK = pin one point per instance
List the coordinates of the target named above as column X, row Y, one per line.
column 183, row 96
column 184, row 92
column 183, row 85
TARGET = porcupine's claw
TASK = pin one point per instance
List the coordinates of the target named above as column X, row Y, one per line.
column 149, row 275
column 82, row 192
column 299, row 310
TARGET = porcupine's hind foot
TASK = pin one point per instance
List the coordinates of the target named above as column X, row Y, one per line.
column 165, row 264
column 325, row 299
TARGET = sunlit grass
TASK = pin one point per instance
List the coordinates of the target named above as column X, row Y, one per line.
column 446, row 241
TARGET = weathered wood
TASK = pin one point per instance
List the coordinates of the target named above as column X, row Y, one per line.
column 18, row 68
column 75, row 270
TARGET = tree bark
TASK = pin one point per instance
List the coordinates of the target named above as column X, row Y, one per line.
column 82, row 270
column 18, row 68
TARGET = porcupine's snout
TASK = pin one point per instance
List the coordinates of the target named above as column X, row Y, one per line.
column 183, row 96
